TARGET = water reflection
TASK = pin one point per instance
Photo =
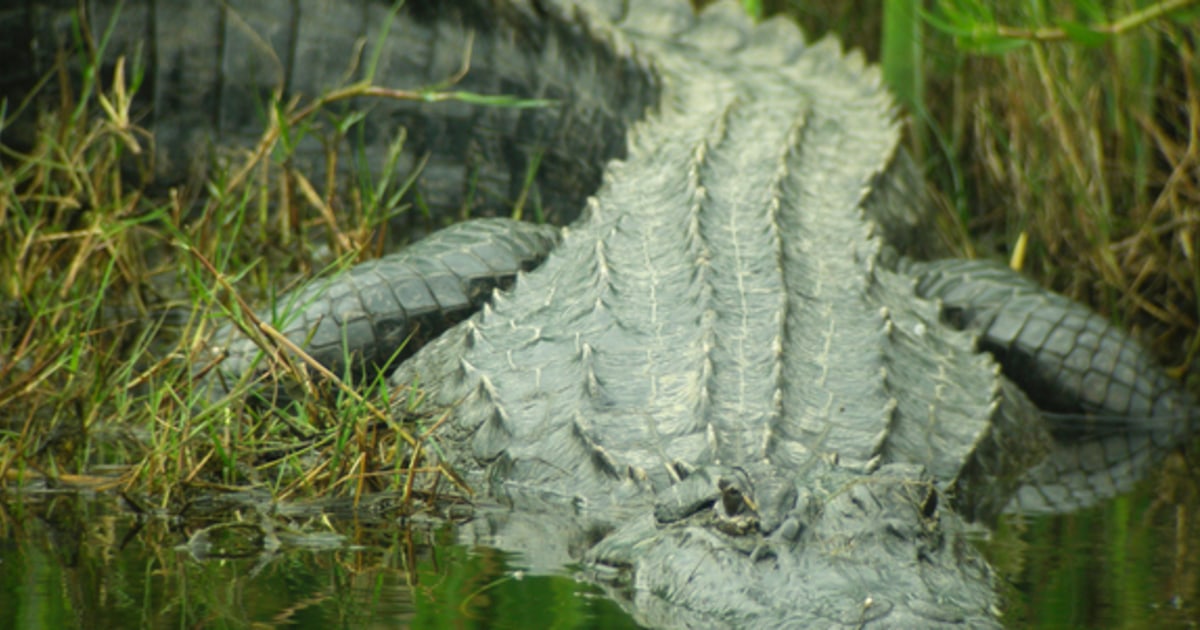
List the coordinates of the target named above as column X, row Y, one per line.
column 71, row 562
column 76, row 561
column 1132, row 561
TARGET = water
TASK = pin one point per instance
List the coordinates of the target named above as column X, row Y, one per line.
column 1133, row 561
column 77, row 561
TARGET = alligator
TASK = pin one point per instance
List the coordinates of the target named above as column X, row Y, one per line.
column 732, row 389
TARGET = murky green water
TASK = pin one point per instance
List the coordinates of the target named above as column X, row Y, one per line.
column 1131, row 562
column 74, row 562
column 77, row 562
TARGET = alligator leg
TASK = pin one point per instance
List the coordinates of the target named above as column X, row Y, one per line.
column 365, row 320
column 1113, row 409
column 1066, row 357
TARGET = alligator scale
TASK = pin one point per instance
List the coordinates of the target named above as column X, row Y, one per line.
column 729, row 387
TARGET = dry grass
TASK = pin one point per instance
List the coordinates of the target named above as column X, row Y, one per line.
column 1091, row 155
column 109, row 293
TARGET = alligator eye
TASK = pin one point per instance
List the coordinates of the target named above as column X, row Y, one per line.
column 732, row 500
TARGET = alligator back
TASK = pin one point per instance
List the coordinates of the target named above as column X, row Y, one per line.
column 728, row 297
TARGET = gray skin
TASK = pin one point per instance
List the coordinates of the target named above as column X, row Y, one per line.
column 367, row 320
column 728, row 393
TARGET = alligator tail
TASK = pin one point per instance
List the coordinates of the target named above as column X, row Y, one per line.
column 209, row 73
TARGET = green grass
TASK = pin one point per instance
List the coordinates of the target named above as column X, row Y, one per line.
column 83, row 357
column 110, row 291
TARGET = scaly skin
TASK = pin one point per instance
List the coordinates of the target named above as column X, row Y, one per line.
column 373, row 316
column 722, row 392
column 1113, row 411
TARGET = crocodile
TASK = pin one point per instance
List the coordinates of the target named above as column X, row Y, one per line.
column 731, row 389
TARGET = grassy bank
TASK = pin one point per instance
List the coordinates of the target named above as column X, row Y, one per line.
column 112, row 286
